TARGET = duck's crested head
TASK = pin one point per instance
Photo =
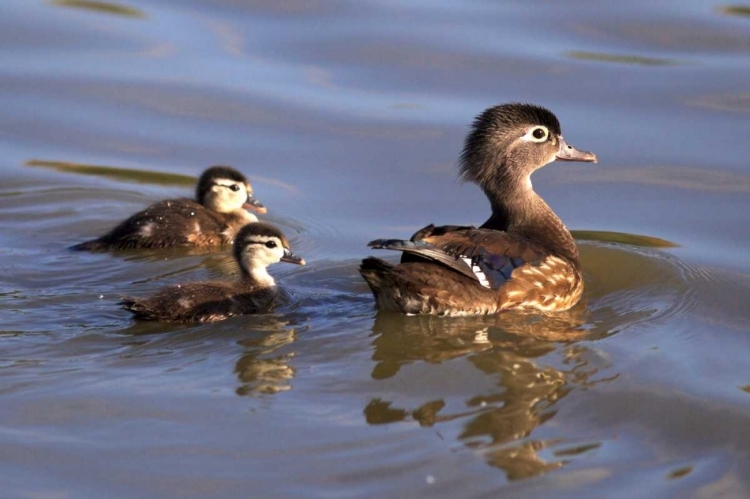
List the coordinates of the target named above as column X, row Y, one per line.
column 258, row 245
column 508, row 142
column 225, row 190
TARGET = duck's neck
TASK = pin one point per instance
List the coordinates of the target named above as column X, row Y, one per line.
column 257, row 277
column 521, row 211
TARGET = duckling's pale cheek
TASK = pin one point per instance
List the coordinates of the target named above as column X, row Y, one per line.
column 279, row 255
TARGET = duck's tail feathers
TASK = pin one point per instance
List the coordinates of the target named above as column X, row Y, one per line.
column 376, row 272
column 383, row 282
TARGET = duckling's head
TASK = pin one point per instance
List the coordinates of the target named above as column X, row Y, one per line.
column 225, row 190
column 507, row 143
column 257, row 245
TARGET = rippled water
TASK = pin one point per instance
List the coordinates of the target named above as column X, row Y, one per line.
column 348, row 117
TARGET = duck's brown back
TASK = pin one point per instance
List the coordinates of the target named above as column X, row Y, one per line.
column 454, row 270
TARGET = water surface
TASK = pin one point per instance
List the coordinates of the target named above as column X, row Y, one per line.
column 348, row 117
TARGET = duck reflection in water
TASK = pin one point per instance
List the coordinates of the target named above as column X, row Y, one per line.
column 494, row 423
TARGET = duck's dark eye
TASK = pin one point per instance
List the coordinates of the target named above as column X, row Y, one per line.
column 234, row 187
column 539, row 133
column 270, row 244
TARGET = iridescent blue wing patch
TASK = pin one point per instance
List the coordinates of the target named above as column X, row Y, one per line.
column 493, row 270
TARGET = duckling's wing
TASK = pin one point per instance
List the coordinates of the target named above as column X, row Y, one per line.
column 171, row 222
column 484, row 255
column 191, row 302
column 168, row 223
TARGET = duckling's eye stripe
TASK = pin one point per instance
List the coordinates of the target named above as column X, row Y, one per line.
column 257, row 240
column 225, row 182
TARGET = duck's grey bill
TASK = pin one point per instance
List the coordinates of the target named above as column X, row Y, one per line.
column 570, row 153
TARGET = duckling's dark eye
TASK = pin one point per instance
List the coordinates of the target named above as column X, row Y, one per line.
column 539, row 133
column 234, row 187
column 270, row 244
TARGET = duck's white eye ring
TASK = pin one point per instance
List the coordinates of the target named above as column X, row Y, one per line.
column 537, row 134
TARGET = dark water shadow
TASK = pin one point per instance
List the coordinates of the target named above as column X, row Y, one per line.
column 734, row 10
column 623, row 59
column 120, row 174
column 101, row 7
column 623, row 238
column 116, row 173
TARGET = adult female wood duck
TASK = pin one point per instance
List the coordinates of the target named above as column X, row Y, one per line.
column 522, row 257
column 222, row 198
column 256, row 246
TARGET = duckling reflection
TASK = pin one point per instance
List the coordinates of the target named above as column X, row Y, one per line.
column 265, row 368
column 533, row 376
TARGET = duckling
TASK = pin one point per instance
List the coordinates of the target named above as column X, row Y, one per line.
column 256, row 246
column 213, row 219
column 522, row 257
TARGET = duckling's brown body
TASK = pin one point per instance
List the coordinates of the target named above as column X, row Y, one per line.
column 256, row 246
column 523, row 257
column 222, row 196
column 172, row 223
column 203, row 301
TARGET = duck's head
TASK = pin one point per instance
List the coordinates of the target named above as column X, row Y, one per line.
column 258, row 245
column 224, row 189
column 507, row 143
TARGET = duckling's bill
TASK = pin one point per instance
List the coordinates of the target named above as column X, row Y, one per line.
column 253, row 204
column 290, row 257
column 570, row 153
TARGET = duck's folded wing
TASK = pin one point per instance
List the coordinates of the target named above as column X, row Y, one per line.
column 486, row 256
column 425, row 250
